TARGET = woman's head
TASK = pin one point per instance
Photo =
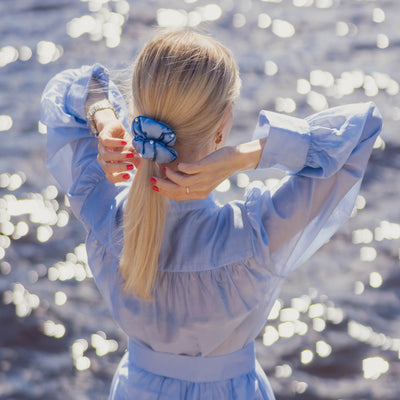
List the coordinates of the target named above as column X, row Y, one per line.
column 188, row 81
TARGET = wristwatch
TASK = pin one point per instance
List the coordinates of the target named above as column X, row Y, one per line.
column 101, row 105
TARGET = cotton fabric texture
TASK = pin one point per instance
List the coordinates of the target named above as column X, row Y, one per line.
column 220, row 267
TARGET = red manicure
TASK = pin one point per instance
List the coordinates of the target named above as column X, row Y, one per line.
column 155, row 188
column 129, row 155
column 164, row 169
column 123, row 143
column 153, row 181
column 126, row 176
column 129, row 167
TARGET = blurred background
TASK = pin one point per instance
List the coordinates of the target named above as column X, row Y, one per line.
column 334, row 333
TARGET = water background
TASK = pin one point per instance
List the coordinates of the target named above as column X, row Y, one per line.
column 335, row 332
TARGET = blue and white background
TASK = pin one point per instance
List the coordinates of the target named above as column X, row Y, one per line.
column 335, row 331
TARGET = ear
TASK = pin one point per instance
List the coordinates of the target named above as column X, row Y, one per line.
column 221, row 126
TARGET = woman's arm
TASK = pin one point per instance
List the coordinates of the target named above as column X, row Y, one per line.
column 115, row 151
column 326, row 155
column 72, row 150
column 204, row 176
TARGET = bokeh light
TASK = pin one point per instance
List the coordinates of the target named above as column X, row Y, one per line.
column 374, row 367
column 6, row 123
column 8, row 54
column 282, row 28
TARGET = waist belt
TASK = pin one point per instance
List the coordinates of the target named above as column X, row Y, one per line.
column 193, row 368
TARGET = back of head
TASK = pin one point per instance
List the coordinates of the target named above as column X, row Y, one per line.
column 186, row 80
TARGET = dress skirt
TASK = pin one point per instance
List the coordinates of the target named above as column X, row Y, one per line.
column 144, row 374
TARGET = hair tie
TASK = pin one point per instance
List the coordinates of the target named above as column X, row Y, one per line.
column 153, row 139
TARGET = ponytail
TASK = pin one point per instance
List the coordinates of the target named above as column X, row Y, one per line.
column 186, row 80
column 144, row 220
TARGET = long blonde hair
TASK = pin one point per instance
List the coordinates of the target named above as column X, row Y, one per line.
column 186, row 80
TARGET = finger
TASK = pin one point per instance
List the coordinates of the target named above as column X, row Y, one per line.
column 181, row 179
column 122, row 150
column 176, row 192
column 121, row 158
column 118, row 177
column 113, row 178
column 190, row 168
column 107, row 140
column 115, row 166
column 113, row 142
column 112, row 168
column 118, row 156
column 136, row 159
column 107, row 143
column 169, row 189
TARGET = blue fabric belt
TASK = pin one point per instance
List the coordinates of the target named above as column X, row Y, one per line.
column 196, row 368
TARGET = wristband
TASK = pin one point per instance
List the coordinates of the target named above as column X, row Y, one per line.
column 101, row 105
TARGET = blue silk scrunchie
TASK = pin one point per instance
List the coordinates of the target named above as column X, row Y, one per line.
column 153, row 139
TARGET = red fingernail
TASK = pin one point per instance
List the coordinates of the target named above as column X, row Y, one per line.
column 164, row 169
column 123, row 143
column 129, row 167
column 126, row 176
column 155, row 188
column 129, row 155
column 153, row 181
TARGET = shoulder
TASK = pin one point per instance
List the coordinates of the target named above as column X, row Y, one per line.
column 206, row 238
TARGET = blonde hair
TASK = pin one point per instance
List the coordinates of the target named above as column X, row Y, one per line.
column 186, row 80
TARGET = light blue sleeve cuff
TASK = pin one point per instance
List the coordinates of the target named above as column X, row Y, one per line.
column 64, row 98
column 288, row 141
column 77, row 93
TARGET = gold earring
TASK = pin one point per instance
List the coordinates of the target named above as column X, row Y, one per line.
column 218, row 141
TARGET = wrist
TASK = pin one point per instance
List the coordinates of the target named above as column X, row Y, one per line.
column 96, row 94
column 99, row 113
column 248, row 154
column 102, row 117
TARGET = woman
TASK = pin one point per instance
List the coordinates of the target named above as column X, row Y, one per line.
column 192, row 282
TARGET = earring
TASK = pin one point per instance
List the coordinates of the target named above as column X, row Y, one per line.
column 218, row 141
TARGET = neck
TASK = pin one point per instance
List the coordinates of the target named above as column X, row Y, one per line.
column 190, row 155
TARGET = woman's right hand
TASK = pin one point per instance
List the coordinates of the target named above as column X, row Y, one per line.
column 196, row 180
column 116, row 154
column 199, row 179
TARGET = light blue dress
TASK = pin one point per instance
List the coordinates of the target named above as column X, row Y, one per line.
column 220, row 267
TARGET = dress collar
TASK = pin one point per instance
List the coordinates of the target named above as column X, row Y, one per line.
column 186, row 205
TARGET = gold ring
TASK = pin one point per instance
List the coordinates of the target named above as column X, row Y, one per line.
column 187, row 190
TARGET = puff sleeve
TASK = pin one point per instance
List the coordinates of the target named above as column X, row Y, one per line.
column 72, row 150
column 325, row 156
